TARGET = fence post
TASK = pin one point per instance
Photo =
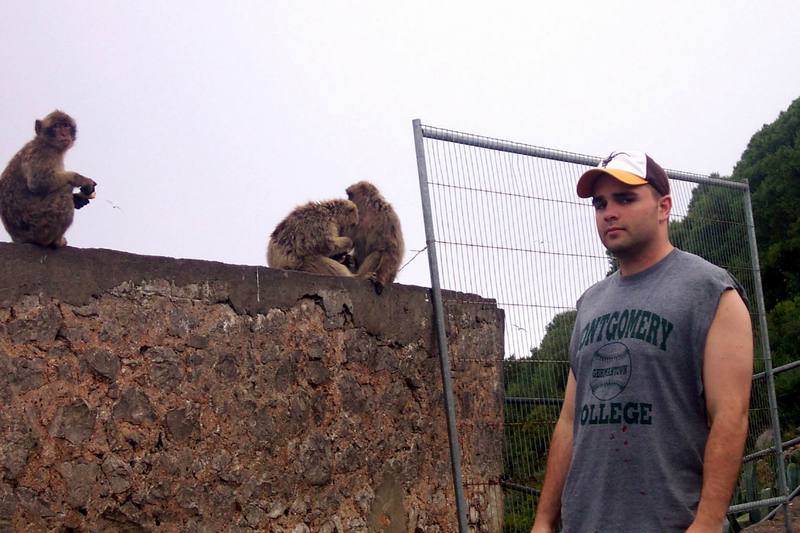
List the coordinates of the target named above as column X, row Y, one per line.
column 441, row 336
column 780, row 466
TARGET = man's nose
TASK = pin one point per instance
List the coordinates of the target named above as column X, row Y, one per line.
column 610, row 213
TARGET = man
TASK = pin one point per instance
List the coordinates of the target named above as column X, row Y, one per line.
column 651, row 433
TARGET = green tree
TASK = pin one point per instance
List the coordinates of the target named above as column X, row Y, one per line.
column 529, row 419
column 784, row 331
column 771, row 166
column 714, row 228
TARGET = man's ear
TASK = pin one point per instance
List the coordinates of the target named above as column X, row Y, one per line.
column 664, row 207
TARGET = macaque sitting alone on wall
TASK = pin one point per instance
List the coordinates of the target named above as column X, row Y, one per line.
column 37, row 203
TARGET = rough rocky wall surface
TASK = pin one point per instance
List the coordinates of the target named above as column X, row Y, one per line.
column 155, row 394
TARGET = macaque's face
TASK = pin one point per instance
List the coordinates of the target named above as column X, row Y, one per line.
column 62, row 135
column 58, row 130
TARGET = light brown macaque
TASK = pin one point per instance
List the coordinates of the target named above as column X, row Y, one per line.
column 377, row 239
column 37, row 203
column 312, row 235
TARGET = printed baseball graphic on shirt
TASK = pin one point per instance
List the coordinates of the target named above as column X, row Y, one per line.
column 611, row 370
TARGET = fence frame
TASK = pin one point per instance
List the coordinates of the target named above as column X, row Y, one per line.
column 422, row 132
column 441, row 335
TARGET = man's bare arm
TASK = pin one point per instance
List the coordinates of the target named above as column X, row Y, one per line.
column 727, row 376
column 558, row 460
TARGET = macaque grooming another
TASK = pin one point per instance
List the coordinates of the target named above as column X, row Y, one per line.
column 311, row 235
column 378, row 239
column 37, row 203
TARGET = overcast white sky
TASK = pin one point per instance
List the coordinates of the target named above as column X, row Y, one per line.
column 204, row 123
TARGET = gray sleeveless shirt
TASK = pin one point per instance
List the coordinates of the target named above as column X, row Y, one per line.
column 640, row 424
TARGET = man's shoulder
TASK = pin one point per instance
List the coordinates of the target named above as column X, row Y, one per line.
column 702, row 273
column 694, row 265
column 689, row 257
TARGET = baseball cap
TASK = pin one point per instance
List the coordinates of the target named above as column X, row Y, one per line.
column 630, row 167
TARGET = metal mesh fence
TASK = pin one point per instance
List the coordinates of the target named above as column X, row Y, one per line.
column 506, row 224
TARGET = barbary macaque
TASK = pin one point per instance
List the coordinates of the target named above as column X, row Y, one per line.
column 37, row 202
column 377, row 239
column 313, row 236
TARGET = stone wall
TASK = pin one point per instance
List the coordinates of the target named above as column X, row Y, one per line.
column 147, row 393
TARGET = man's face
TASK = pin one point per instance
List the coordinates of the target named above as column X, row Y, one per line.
column 628, row 217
